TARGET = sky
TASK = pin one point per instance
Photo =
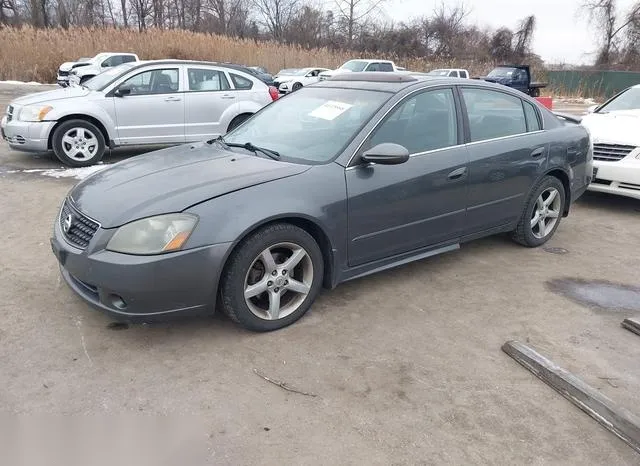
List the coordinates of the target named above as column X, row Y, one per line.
column 562, row 35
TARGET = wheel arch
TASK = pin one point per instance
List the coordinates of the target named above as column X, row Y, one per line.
column 80, row 116
column 305, row 223
column 566, row 183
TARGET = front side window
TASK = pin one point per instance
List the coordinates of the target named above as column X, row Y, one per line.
column 354, row 65
column 453, row 74
column 241, row 82
column 202, row 79
column 162, row 81
column 312, row 125
column 427, row 121
column 112, row 61
column 493, row 114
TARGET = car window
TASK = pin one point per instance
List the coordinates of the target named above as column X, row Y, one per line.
column 128, row 58
column 373, row 67
column 453, row 74
column 112, row 61
column 493, row 114
column 162, row 81
column 241, row 82
column 385, row 67
column 424, row 122
column 533, row 121
column 464, row 74
column 202, row 79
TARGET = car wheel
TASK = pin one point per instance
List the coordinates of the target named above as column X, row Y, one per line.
column 78, row 143
column 237, row 121
column 272, row 278
column 542, row 213
column 296, row 87
column 535, row 92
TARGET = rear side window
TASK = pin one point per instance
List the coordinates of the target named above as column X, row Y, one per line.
column 493, row 114
column 533, row 120
column 385, row 67
column 464, row 74
column 128, row 58
column 202, row 79
column 241, row 82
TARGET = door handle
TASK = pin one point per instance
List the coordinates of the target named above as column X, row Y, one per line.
column 538, row 152
column 227, row 96
column 457, row 174
column 172, row 99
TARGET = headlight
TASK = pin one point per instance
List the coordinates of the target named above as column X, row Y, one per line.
column 153, row 235
column 34, row 112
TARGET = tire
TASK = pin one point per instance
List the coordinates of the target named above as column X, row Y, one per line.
column 535, row 92
column 296, row 87
column 237, row 121
column 530, row 231
column 273, row 302
column 78, row 143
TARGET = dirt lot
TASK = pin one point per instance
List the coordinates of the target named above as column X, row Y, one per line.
column 406, row 364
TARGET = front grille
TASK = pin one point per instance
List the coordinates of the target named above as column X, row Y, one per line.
column 16, row 140
column 611, row 152
column 63, row 73
column 77, row 228
column 10, row 113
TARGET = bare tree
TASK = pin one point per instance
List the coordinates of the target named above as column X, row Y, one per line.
column 523, row 37
column 142, row 9
column 446, row 27
column 352, row 12
column 277, row 15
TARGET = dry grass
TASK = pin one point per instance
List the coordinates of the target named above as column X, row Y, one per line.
column 28, row 54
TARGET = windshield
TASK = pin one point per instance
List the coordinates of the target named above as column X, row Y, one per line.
column 302, row 72
column 105, row 78
column 501, row 73
column 627, row 100
column 354, row 65
column 438, row 73
column 313, row 125
column 288, row 71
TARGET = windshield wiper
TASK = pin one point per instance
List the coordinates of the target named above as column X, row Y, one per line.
column 247, row 146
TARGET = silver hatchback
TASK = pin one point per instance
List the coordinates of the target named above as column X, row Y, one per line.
column 154, row 102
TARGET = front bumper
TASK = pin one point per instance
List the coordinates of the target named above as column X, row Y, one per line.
column 141, row 288
column 62, row 81
column 621, row 177
column 29, row 136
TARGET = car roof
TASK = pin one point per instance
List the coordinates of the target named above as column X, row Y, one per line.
column 172, row 61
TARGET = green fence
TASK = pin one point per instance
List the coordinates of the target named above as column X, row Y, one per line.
column 601, row 84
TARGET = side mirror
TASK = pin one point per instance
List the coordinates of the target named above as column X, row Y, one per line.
column 386, row 154
column 122, row 91
column 592, row 109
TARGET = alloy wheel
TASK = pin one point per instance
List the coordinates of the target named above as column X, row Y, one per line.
column 80, row 144
column 546, row 212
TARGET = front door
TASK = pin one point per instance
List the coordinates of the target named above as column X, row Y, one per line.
column 508, row 153
column 400, row 208
column 153, row 110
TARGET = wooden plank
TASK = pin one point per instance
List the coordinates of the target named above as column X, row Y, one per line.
column 632, row 325
column 612, row 417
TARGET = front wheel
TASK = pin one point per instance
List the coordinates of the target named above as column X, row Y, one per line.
column 542, row 213
column 78, row 143
column 272, row 279
column 296, row 87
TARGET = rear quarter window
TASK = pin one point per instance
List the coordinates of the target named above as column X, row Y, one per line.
column 241, row 82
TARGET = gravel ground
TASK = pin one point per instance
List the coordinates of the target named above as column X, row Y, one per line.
column 406, row 364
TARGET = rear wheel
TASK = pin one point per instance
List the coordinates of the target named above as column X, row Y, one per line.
column 542, row 213
column 237, row 121
column 272, row 279
column 78, row 143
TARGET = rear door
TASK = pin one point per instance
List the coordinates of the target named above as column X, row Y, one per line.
column 153, row 111
column 208, row 94
column 508, row 152
column 399, row 208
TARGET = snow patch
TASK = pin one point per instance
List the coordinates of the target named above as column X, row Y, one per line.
column 79, row 173
column 30, row 83
column 575, row 100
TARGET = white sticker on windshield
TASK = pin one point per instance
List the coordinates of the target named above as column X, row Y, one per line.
column 330, row 110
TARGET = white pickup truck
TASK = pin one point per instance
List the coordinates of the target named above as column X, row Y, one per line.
column 359, row 65
column 86, row 68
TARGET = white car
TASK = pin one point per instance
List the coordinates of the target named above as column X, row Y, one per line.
column 155, row 102
column 450, row 72
column 294, row 79
column 96, row 65
column 616, row 144
column 355, row 66
column 64, row 70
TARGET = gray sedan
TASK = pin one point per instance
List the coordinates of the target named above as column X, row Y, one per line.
column 358, row 174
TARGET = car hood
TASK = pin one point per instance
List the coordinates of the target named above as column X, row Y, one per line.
column 66, row 66
column 51, row 96
column 614, row 128
column 171, row 180
column 284, row 78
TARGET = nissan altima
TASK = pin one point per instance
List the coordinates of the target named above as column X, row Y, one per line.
column 347, row 177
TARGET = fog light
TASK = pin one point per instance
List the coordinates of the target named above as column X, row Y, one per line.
column 117, row 301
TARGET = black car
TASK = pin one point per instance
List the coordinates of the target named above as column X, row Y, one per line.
column 258, row 72
column 363, row 172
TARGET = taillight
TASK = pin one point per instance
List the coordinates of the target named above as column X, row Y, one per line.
column 273, row 92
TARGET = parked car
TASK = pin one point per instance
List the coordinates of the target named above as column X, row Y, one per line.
column 450, row 72
column 362, row 173
column 518, row 77
column 255, row 71
column 616, row 153
column 297, row 79
column 155, row 102
column 63, row 71
column 361, row 65
column 86, row 70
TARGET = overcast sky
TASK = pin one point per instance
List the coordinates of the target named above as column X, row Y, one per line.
column 561, row 36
